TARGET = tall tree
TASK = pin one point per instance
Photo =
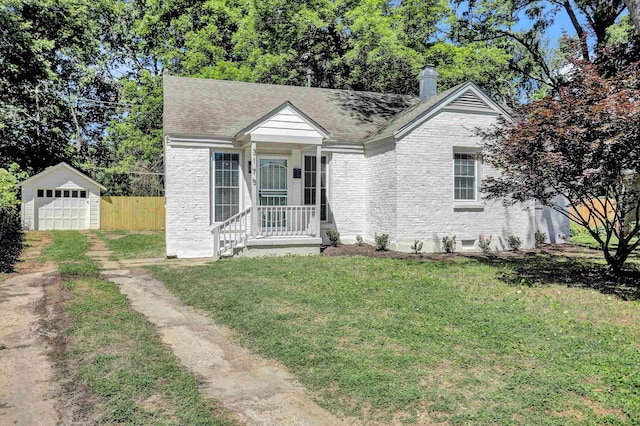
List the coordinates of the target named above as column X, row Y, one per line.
column 581, row 144
column 526, row 23
column 48, row 64
column 634, row 12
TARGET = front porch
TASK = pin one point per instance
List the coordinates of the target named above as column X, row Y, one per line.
column 269, row 230
column 285, row 178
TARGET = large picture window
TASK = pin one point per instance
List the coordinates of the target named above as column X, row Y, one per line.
column 464, row 177
column 310, row 183
column 226, row 184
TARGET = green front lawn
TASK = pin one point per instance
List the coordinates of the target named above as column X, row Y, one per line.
column 129, row 245
column 438, row 341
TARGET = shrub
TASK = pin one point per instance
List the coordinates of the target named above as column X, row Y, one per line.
column 12, row 238
column 449, row 244
column 9, row 191
column 417, row 246
column 359, row 241
column 514, row 242
column 540, row 238
column 382, row 241
column 334, row 237
column 484, row 244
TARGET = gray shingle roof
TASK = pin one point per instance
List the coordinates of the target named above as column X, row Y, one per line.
column 219, row 108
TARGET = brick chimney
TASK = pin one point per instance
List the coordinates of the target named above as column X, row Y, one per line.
column 428, row 78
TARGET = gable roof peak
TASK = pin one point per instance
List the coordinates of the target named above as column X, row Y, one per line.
column 61, row 165
column 282, row 107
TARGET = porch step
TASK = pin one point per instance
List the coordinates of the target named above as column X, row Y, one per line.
column 232, row 251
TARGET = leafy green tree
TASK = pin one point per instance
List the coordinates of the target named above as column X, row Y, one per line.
column 129, row 159
column 11, row 234
column 526, row 22
column 9, row 190
column 51, row 87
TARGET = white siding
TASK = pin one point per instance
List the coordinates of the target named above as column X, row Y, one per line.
column 187, row 194
column 286, row 125
column 94, row 208
column 381, row 193
column 28, row 208
column 347, row 195
column 425, row 188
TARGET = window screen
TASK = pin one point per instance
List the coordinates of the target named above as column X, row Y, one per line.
column 226, row 197
column 464, row 171
column 310, row 184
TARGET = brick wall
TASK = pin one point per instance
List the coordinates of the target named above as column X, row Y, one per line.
column 347, row 195
column 425, row 202
column 187, row 191
column 381, row 193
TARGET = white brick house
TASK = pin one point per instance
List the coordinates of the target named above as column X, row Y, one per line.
column 408, row 167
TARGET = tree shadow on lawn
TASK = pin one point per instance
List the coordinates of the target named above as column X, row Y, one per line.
column 573, row 266
column 565, row 264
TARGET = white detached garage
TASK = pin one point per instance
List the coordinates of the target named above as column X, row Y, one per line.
column 61, row 197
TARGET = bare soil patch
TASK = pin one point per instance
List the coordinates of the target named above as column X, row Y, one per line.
column 27, row 392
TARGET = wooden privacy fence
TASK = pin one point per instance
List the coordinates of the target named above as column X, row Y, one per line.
column 584, row 212
column 132, row 213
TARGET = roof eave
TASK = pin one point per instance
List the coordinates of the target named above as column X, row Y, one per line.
column 411, row 125
column 251, row 127
column 57, row 166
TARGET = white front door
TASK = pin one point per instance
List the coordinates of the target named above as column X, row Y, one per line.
column 273, row 191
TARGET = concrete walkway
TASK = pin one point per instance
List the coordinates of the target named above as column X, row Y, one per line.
column 255, row 390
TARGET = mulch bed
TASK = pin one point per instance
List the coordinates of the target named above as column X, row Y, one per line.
column 569, row 250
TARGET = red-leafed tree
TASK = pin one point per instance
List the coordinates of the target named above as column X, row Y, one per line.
column 582, row 143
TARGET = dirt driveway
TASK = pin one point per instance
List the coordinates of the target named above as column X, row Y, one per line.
column 26, row 387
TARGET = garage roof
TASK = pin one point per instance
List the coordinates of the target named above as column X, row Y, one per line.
column 59, row 166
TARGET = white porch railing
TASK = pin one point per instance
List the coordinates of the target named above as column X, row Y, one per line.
column 286, row 220
column 230, row 233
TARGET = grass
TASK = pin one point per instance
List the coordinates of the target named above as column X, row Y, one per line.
column 580, row 235
column 440, row 341
column 118, row 356
column 112, row 357
column 68, row 249
column 134, row 246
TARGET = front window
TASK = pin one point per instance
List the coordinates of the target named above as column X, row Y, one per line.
column 310, row 184
column 226, row 184
column 464, row 177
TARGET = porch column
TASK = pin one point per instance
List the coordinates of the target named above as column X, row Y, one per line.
column 254, row 191
column 318, row 187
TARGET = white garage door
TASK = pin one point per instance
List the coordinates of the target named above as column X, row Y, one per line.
column 62, row 209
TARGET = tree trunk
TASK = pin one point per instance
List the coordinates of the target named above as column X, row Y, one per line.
column 633, row 6
column 617, row 261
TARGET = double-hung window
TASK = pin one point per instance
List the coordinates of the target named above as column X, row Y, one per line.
column 226, row 185
column 310, row 183
column 465, row 174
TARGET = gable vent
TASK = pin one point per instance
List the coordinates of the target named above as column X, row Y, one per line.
column 470, row 101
